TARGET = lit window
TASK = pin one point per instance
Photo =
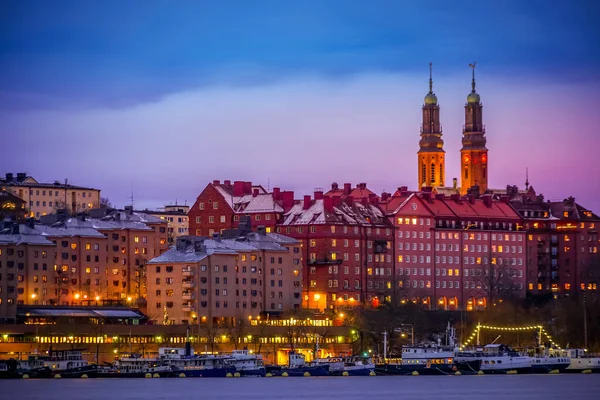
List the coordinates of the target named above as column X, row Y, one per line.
column 73, row 246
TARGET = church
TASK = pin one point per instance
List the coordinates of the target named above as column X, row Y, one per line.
column 473, row 154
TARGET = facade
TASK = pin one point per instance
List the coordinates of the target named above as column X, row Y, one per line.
column 431, row 154
column 562, row 244
column 177, row 220
column 457, row 252
column 83, row 259
column 46, row 198
column 26, row 270
column 473, row 154
column 222, row 280
column 221, row 205
column 11, row 206
column 346, row 248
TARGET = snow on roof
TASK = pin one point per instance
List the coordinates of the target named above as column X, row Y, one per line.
column 24, row 239
column 61, row 230
column 251, row 242
column 262, row 202
column 174, row 255
column 355, row 214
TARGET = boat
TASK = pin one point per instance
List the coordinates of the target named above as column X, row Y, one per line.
column 9, row 369
column 545, row 360
column 184, row 361
column 497, row 359
column 580, row 361
column 297, row 367
column 66, row 363
column 352, row 365
column 246, row 363
column 136, row 366
column 428, row 359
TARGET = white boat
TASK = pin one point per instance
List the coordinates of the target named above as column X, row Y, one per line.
column 135, row 366
column 353, row 365
column 246, row 363
column 581, row 361
column 497, row 359
column 183, row 360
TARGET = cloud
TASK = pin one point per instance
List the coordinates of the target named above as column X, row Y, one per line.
column 307, row 132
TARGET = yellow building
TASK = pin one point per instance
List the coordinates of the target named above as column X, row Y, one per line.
column 177, row 220
column 46, row 198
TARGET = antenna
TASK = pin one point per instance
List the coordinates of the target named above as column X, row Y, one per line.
column 526, row 178
column 268, row 184
column 430, row 79
column 131, row 199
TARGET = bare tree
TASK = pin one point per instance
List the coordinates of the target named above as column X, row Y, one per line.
column 235, row 331
column 105, row 203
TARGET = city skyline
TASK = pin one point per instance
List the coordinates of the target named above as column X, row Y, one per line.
column 279, row 95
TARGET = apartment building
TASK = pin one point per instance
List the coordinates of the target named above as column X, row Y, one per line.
column 46, row 198
column 225, row 278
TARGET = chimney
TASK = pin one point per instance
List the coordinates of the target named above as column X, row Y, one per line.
column 362, row 186
column 254, row 192
column 216, row 236
column 426, row 195
column 276, row 194
column 427, row 189
column 487, row 200
column 227, row 182
column 128, row 210
column 384, row 196
column 347, row 189
column 307, row 202
column 403, row 190
column 287, row 200
column 318, row 194
column 440, row 196
column 216, row 182
column 454, row 183
column 31, row 223
column 238, row 188
column 455, row 197
column 334, row 186
column 21, row 176
column 261, row 230
column 373, row 198
column 247, row 187
column 328, row 204
column 471, row 199
column 9, row 177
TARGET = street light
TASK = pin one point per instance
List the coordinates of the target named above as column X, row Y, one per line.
column 412, row 332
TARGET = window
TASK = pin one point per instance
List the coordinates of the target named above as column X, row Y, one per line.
column 215, row 205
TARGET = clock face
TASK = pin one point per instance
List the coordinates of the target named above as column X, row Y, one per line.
column 484, row 158
column 466, row 159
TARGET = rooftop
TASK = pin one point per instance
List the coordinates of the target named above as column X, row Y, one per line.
column 22, row 179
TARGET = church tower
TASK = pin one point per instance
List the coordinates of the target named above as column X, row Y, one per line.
column 431, row 155
column 473, row 155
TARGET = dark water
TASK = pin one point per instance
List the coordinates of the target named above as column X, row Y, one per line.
column 564, row 387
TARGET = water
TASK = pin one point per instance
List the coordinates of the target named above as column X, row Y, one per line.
column 563, row 387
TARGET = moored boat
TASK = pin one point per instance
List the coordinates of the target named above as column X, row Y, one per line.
column 297, row 367
column 581, row 361
column 497, row 359
column 352, row 365
column 246, row 363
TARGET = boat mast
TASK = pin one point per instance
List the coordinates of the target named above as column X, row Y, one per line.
column 384, row 346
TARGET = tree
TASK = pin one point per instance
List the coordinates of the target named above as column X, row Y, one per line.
column 235, row 331
column 105, row 203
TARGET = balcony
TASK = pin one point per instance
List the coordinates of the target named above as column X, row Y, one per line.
column 187, row 307
column 324, row 261
column 187, row 284
column 187, row 272
column 187, row 296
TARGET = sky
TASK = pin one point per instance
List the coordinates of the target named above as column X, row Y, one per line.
column 159, row 98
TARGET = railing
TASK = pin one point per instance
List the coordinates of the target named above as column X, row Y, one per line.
column 187, row 284
column 475, row 128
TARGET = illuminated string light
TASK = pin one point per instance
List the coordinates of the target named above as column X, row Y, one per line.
column 511, row 329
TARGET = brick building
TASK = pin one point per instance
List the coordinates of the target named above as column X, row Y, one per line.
column 347, row 247
column 562, row 243
column 220, row 206
column 222, row 280
column 456, row 252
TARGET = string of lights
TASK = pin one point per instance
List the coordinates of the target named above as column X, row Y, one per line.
column 479, row 327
